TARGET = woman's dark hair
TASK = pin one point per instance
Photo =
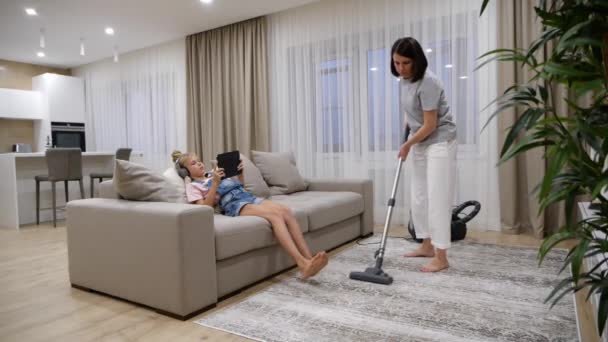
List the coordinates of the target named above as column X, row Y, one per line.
column 410, row 48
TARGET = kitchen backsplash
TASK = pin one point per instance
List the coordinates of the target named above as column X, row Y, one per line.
column 15, row 75
column 15, row 131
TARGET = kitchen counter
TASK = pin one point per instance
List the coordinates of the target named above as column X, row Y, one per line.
column 41, row 154
column 18, row 188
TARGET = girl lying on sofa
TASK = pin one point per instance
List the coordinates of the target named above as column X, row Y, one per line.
column 232, row 198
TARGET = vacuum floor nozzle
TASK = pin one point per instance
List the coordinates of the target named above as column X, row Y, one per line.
column 372, row 275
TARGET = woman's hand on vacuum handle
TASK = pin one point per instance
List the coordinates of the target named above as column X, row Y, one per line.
column 404, row 150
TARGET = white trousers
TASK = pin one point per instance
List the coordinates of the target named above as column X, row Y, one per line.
column 433, row 181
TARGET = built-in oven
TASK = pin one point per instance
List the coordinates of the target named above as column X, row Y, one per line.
column 68, row 134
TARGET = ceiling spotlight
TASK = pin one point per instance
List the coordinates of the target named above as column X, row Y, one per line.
column 373, row 69
column 81, row 47
column 463, row 77
column 206, row 1
column 31, row 11
column 429, row 50
column 40, row 54
column 449, row 66
column 42, row 40
column 109, row 31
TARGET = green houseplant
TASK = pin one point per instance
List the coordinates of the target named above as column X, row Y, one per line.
column 574, row 38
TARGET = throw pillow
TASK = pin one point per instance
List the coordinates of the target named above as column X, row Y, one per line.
column 138, row 183
column 279, row 171
column 177, row 182
column 254, row 182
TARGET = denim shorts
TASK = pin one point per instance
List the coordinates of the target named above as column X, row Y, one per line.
column 233, row 201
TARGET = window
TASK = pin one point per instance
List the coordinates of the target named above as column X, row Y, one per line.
column 384, row 120
column 334, row 84
column 385, row 123
column 357, row 97
column 452, row 64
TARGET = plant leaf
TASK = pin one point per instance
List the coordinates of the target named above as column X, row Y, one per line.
column 602, row 311
column 577, row 259
column 546, row 36
column 582, row 41
column 560, row 287
column 525, row 145
column 551, row 241
column 571, row 32
column 544, row 95
column 598, row 188
column 564, row 70
column 555, row 166
column 483, row 7
column 525, row 121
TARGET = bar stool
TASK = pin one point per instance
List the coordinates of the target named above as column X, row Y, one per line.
column 64, row 164
column 121, row 154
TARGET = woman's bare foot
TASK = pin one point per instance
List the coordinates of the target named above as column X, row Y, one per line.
column 436, row 265
column 421, row 251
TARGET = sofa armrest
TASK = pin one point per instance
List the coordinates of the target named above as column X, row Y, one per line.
column 161, row 255
column 106, row 190
column 364, row 187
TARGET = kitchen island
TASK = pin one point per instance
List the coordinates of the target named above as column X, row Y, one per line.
column 18, row 188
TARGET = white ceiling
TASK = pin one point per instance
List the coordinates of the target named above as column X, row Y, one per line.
column 137, row 23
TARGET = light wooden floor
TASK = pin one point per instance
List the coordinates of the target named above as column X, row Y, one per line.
column 38, row 304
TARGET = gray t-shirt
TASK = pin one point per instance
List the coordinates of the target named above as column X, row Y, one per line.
column 427, row 94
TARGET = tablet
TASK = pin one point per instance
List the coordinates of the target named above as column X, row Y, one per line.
column 229, row 161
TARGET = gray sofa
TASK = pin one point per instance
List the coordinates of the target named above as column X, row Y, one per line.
column 179, row 259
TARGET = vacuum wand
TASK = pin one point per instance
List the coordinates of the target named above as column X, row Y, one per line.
column 376, row 274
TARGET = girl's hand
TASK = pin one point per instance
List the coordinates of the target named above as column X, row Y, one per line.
column 240, row 167
column 218, row 174
column 404, row 151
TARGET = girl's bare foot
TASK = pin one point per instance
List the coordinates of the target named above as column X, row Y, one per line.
column 313, row 266
column 319, row 263
column 306, row 270
column 421, row 251
column 321, row 256
column 435, row 265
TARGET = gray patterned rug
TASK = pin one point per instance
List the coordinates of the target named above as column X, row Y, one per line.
column 490, row 293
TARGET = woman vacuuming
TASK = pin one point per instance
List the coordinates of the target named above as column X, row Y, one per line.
column 433, row 144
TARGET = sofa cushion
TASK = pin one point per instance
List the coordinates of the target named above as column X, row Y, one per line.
column 323, row 207
column 254, row 182
column 241, row 234
column 138, row 183
column 279, row 171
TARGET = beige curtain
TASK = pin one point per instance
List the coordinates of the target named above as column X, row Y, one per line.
column 228, row 89
column 518, row 28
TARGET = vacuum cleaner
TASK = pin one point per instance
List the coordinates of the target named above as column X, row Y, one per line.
column 375, row 274
column 459, row 221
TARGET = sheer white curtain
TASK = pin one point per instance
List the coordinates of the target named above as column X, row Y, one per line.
column 335, row 103
column 139, row 102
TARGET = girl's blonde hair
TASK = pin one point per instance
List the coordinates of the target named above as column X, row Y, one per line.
column 180, row 158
